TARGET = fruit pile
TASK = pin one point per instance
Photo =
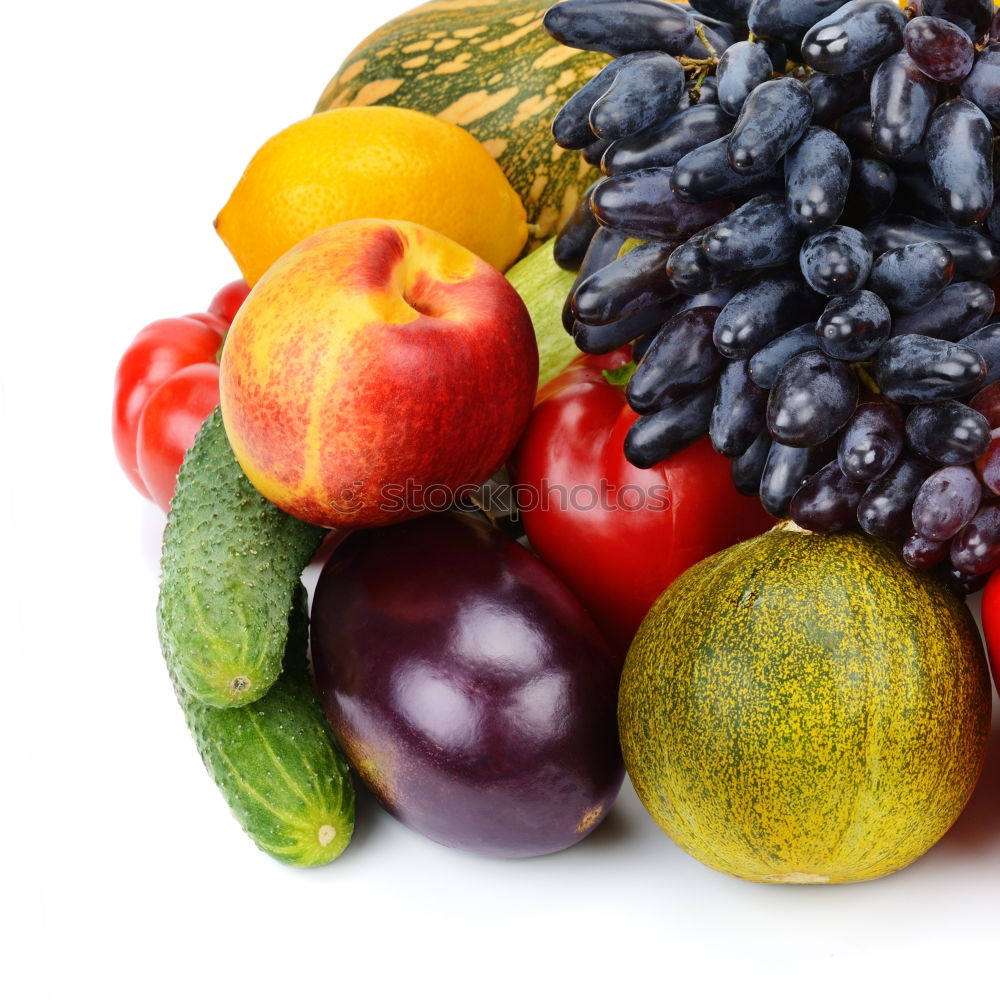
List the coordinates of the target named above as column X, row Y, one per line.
column 391, row 391
column 811, row 187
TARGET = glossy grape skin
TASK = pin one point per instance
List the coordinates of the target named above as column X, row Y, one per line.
column 972, row 16
column 941, row 50
column 902, row 99
column 912, row 369
column 987, row 402
column 760, row 312
column 681, row 358
column 922, row 553
column 641, row 345
column 976, row 256
column 773, row 117
column 657, row 436
column 986, row 342
column 663, row 144
column 911, row 277
column 813, row 396
column 745, row 470
column 571, row 125
column 872, row 189
column 629, row 283
column 946, row 502
column 949, row 433
column 691, row 269
column 603, row 249
column 857, row 35
column 708, row 91
column 959, row 310
column 720, row 36
column 787, row 20
column 756, row 234
column 575, row 235
column 959, row 583
column 641, row 93
column 917, row 196
column 982, row 85
column 975, row 550
column 837, row 261
column 854, row 326
column 742, row 67
column 832, row 96
column 817, row 179
column 704, row 174
column 724, row 10
column 599, row 339
column 994, row 35
column 988, row 464
column 871, row 441
column 642, row 204
column 594, row 153
column 960, row 157
column 738, row 413
column 827, row 501
column 884, row 510
column 620, row 26
column 770, row 359
column 785, row 470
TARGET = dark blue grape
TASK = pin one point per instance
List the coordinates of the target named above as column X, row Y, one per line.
column 959, row 310
column 972, row 16
column 662, row 145
column 975, row 550
column 976, row 256
column 872, row 440
column 855, row 36
column 691, row 269
column 910, row 277
column 960, row 157
column 986, row 342
column 756, row 234
column 770, row 359
column 785, row 470
column 603, row 249
column 836, row 261
column 742, row 67
column 912, row 369
column 643, row 204
column 946, row 502
column 774, row 117
column 641, row 93
column 707, row 91
column 659, row 435
column 610, row 336
column 949, row 433
column 745, row 470
column 940, row 49
column 982, row 85
column 854, row 326
column 594, row 153
column 817, row 178
column 959, row 583
column 718, row 35
column 738, row 413
column 760, row 312
column 922, row 553
column 704, row 174
column 884, row 510
column 827, row 501
column 681, row 358
column 787, row 20
column 916, row 195
column 620, row 26
column 575, row 235
column 833, row 96
column 642, row 344
column 630, row 283
column 873, row 187
column 902, row 100
column 812, row 398
column 724, row 10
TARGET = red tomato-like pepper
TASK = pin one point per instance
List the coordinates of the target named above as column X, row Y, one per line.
column 228, row 300
column 618, row 535
column 991, row 624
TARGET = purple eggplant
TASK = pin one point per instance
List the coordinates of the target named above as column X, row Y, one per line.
column 467, row 686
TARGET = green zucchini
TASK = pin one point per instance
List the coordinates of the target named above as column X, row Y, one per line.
column 276, row 761
column 231, row 563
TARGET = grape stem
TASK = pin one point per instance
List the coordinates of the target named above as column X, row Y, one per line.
column 864, row 377
column 699, row 30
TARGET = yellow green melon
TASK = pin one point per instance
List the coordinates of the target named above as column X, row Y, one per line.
column 488, row 66
column 805, row 708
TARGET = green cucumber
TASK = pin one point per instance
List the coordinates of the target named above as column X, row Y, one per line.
column 276, row 761
column 231, row 563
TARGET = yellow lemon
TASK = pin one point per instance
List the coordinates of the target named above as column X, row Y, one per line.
column 371, row 162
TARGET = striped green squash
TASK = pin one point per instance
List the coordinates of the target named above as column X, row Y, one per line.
column 488, row 66
column 805, row 708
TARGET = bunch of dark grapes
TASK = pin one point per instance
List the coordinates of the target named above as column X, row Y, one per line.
column 796, row 232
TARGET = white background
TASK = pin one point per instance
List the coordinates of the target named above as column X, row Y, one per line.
column 125, row 126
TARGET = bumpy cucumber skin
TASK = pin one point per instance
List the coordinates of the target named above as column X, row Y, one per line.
column 231, row 563
column 277, row 764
